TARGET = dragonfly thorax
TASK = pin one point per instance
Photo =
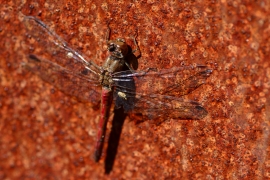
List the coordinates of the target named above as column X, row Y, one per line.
column 105, row 79
column 115, row 62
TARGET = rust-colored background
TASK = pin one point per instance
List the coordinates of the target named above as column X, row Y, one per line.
column 45, row 134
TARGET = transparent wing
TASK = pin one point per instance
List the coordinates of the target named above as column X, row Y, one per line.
column 160, row 106
column 77, row 84
column 45, row 43
column 177, row 81
column 55, row 62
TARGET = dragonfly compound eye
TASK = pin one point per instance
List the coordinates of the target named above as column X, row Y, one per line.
column 111, row 47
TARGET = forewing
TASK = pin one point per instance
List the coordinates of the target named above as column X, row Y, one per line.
column 177, row 81
column 77, row 84
column 47, row 44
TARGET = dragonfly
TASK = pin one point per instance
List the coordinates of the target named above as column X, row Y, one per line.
column 154, row 93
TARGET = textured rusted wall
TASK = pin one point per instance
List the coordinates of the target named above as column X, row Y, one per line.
column 45, row 134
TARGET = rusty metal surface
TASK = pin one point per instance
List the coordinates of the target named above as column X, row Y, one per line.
column 48, row 135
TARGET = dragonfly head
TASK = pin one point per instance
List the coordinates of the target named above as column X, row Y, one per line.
column 118, row 48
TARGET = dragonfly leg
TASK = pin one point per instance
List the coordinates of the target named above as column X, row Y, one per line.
column 129, row 67
column 136, row 44
column 108, row 32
